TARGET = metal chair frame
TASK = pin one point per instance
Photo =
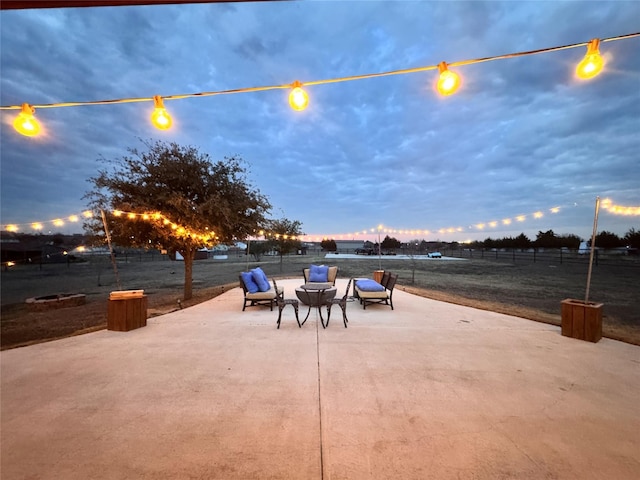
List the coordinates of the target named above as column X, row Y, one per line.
column 342, row 302
column 283, row 302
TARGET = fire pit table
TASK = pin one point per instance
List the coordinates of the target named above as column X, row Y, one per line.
column 315, row 294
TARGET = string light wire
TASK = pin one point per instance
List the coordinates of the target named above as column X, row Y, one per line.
column 289, row 86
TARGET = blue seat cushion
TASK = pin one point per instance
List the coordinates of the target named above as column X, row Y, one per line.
column 261, row 279
column 247, row 278
column 368, row 285
column 319, row 273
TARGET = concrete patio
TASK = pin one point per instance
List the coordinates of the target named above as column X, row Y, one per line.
column 429, row 390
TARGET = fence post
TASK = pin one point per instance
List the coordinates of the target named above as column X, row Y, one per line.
column 560, row 255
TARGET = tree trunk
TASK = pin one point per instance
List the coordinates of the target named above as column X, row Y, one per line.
column 188, row 256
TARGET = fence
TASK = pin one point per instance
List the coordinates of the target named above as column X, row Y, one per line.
column 560, row 256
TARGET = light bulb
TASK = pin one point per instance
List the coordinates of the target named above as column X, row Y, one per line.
column 160, row 117
column 448, row 81
column 592, row 63
column 25, row 123
column 298, row 98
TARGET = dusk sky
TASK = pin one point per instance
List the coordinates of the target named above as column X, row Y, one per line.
column 522, row 135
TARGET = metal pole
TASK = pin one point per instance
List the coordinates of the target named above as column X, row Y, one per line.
column 113, row 257
column 593, row 248
column 379, row 251
column 248, row 244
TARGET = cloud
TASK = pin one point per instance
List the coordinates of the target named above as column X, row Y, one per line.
column 521, row 135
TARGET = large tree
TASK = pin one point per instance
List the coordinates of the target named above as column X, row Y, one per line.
column 175, row 198
column 391, row 243
column 329, row 244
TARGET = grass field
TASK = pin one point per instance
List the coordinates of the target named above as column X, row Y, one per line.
column 526, row 289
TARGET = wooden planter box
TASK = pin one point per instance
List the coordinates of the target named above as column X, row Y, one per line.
column 581, row 320
column 127, row 311
column 377, row 275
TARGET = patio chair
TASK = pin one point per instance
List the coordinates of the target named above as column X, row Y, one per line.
column 385, row 278
column 332, row 274
column 283, row 302
column 384, row 296
column 253, row 296
column 342, row 302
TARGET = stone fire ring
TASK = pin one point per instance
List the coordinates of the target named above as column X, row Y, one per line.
column 50, row 302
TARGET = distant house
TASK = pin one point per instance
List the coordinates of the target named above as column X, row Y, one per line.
column 349, row 246
column 30, row 249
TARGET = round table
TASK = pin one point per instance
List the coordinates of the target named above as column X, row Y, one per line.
column 314, row 296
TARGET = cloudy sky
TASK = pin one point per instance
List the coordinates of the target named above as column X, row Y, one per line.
column 522, row 135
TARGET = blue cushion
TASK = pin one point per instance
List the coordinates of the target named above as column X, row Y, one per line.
column 247, row 278
column 319, row 273
column 368, row 285
column 261, row 279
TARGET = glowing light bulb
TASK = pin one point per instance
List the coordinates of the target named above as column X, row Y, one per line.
column 448, row 81
column 160, row 117
column 25, row 123
column 592, row 63
column 298, row 98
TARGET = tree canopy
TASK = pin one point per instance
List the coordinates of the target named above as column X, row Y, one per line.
column 174, row 197
column 329, row 244
column 283, row 236
column 390, row 243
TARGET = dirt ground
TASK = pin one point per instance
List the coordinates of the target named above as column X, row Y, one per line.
column 532, row 290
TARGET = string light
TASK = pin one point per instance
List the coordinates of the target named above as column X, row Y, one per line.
column 160, row 117
column 207, row 236
column 302, row 98
column 592, row 63
column 58, row 222
column 448, row 81
column 608, row 205
column 480, row 226
column 298, row 98
column 25, row 123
